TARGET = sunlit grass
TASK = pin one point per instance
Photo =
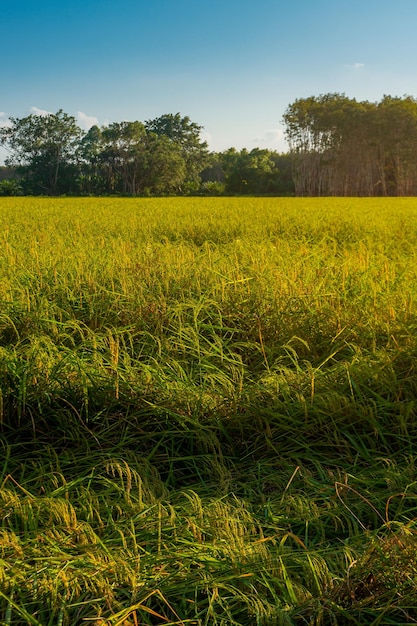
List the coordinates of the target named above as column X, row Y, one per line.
column 208, row 411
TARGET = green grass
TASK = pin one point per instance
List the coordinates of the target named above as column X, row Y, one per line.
column 208, row 411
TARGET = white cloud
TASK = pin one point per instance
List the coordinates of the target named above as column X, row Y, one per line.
column 273, row 139
column 40, row 112
column 86, row 121
column 4, row 120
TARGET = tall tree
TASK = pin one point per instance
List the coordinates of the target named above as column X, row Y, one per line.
column 122, row 155
column 187, row 135
column 43, row 147
column 91, row 179
column 163, row 169
column 397, row 139
column 136, row 161
column 343, row 147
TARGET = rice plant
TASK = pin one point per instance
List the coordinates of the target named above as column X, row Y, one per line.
column 208, row 411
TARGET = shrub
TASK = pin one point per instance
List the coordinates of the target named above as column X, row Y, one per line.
column 10, row 187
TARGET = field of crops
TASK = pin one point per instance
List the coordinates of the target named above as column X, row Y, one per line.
column 208, row 411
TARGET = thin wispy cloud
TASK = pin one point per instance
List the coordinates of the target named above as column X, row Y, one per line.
column 354, row 66
column 86, row 121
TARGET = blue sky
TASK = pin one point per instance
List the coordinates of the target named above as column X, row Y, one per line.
column 233, row 66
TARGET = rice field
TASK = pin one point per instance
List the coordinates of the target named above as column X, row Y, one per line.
column 208, row 411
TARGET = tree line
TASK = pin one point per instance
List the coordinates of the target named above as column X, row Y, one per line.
column 342, row 147
column 338, row 146
column 51, row 155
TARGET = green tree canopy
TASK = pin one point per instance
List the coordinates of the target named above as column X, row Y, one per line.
column 255, row 172
column 44, row 149
column 344, row 147
column 187, row 135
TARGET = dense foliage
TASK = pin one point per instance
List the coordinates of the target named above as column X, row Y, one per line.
column 342, row 147
column 164, row 156
column 338, row 147
column 208, row 411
